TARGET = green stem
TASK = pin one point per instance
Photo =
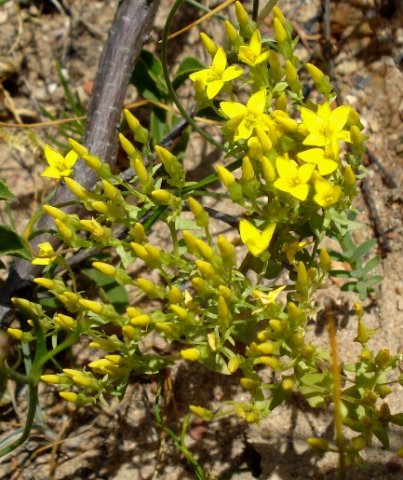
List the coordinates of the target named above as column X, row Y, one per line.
column 255, row 10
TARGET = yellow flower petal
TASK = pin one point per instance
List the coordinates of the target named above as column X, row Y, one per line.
column 257, row 102
column 231, row 73
column 219, row 62
column 213, row 88
column 232, row 109
column 338, row 117
column 256, row 241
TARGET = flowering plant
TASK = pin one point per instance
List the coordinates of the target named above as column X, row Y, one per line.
column 237, row 303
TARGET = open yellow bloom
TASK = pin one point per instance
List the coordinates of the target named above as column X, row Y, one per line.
column 214, row 77
column 59, row 166
column 256, row 241
column 326, row 127
column 46, row 254
column 326, row 193
column 252, row 54
column 318, row 157
column 293, row 179
column 245, row 118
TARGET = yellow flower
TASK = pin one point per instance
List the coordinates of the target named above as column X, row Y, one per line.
column 252, row 55
column 267, row 298
column 46, row 254
column 318, row 157
column 255, row 240
column 291, row 249
column 326, row 127
column 245, row 118
column 326, row 193
column 293, row 179
column 59, row 166
column 215, row 76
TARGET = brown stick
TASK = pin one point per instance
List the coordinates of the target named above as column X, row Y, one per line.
column 132, row 23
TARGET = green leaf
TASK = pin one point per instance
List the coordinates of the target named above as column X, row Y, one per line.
column 12, row 244
column 186, row 68
column 118, row 296
column 382, row 435
column 148, row 75
column 126, row 256
column 371, row 264
column 363, row 249
column 397, row 419
column 5, row 193
column 158, row 125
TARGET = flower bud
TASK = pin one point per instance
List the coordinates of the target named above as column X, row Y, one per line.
column 208, row 44
column 324, row 260
column 382, row 357
column 287, row 384
column 227, row 249
column 248, row 383
column 349, row 176
column 276, row 325
column 205, row 268
column 65, row 321
column 141, row 170
column 138, row 233
column 225, row 176
column 191, row 354
column 268, row 170
column 314, row 72
column 95, row 307
column 179, row 311
column 241, row 14
column 175, row 295
column 263, row 138
column 318, row 443
column 105, row 268
column 162, row 196
column 201, row 412
column 80, row 150
column 127, row 145
column 279, row 32
column 78, row 190
column 247, row 169
column 93, row 162
column 233, row 364
column 55, row 212
column 204, row 249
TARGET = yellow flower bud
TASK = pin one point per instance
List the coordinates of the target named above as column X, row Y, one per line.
column 93, row 162
column 138, row 233
column 255, row 148
column 225, row 176
column 222, row 309
column 146, row 285
column 248, row 383
column 349, row 176
column 139, row 250
column 279, row 14
column 382, row 357
column 324, row 259
column 141, row 170
column 365, row 355
column 77, row 147
column 281, row 103
column 129, row 332
column 241, row 14
column 205, row 268
column 191, row 354
column 69, row 396
column 179, row 311
column 140, row 321
column 318, row 443
column 314, row 72
column 356, row 136
column 15, row 333
column 201, row 412
column 199, row 284
column 111, row 191
column 271, row 362
column 66, row 232
column 265, row 348
column 208, row 44
column 45, row 282
column 225, row 291
column 227, row 249
column 127, row 145
column 276, row 325
column 204, row 249
column 164, row 155
column 131, row 120
column 153, row 252
column 175, row 295
column 55, row 212
column 70, row 299
column 302, row 274
column 30, row 307
column 78, row 190
column 54, row 379
column 231, row 31
column 65, row 321
column 268, row 170
column 247, row 169
column 95, row 307
column 287, row 384
column 233, row 364
column 252, row 417
column 105, row 268
column 263, row 138
column 291, row 74
column 358, row 443
column 162, row 196
column 94, row 227
column 279, row 32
